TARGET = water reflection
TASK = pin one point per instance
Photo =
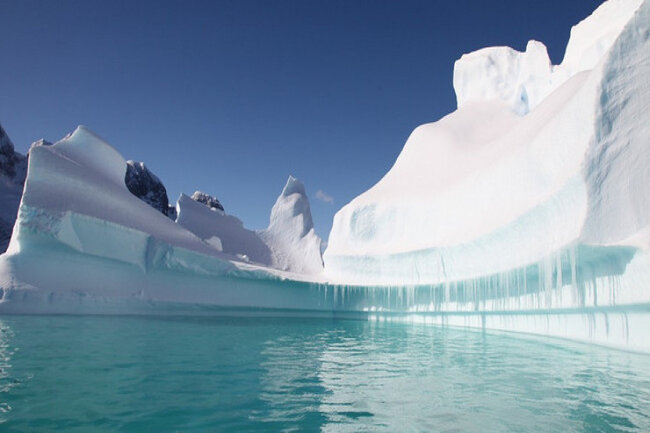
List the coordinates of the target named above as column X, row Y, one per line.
column 401, row 377
column 6, row 380
column 106, row 374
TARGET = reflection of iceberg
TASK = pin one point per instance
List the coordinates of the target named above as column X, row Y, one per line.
column 526, row 209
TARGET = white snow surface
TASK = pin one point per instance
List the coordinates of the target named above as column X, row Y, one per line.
column 524, row 79
column 527, row 165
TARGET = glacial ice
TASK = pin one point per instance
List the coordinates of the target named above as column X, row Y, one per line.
column 526, row 209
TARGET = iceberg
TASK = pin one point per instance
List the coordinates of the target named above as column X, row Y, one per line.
column 527, row 209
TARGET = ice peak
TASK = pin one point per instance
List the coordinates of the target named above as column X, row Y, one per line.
column 290, row 234
column 89, row 149
column 293, row 186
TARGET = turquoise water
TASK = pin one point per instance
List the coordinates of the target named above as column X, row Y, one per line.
column 207, row 374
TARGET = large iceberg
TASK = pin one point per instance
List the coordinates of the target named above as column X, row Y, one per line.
column 84, row 243
column 526, row 209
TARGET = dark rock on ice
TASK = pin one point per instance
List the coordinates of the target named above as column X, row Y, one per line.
column 146, row 186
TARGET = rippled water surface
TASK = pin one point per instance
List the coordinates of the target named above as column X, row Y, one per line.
column 137, row 374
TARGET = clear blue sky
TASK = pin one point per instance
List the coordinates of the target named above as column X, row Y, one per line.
column 230, row 97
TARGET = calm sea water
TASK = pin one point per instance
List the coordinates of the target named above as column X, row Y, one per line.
column 152, row 374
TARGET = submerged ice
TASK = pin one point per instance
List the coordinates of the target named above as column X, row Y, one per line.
column 527, row 208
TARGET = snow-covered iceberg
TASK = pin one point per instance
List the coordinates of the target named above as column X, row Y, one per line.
column 84, row 243
column 532, row 198
column 526, row 209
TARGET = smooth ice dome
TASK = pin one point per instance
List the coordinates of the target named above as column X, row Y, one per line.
column 529, row 165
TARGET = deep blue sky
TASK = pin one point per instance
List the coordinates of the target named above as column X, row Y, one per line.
column 230, row 97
